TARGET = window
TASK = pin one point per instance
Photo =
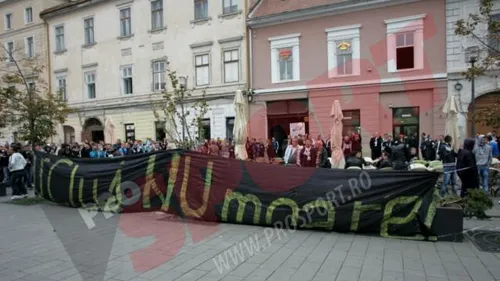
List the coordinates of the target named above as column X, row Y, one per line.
column 125, row 22
column 405, row 43
column 31, row 86
column 494, row 36
column 343, row 50
column 28, row 15
column 159, row 75
column 130, row 132
column 285, row 56
column 60, row 47
column 160, row 130
column 351, row 122
column 29, row 47
column 127, row 86
column 205, row 129
column 8, row 21
column 156, row 14
column 89, row 31
column 202, row 66
column 200, row 9
column 90, row 84
column 61, row 87
column 404, row 51
column 231, row 66
column 9, row 51
column 230, row 6
column 229, row 127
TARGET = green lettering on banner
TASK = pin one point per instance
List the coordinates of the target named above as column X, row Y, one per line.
column 172, row 179
column 198, row 213
column 114, row 201
column 282, row 202
column 242, row 201
column 431, row 212
column 360, row 208
column 150, row 182
column 388, row 219
column 327, row 205
column 45, row 160
column 61, row 161
column 72, row 185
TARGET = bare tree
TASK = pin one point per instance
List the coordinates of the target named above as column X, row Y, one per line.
column 26, row 104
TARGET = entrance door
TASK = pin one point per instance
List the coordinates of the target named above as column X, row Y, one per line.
column 406, row 120
column 407, row 130
column 97, row 136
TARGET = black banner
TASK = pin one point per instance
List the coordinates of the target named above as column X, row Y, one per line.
column 188, row 184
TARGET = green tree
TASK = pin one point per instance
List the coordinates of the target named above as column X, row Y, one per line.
column 181, row 111
column 26, row 104
column 484, row 29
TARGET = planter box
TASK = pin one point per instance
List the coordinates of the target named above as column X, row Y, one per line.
column 448, row 224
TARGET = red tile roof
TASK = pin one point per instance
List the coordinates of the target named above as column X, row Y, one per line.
column 273, row 7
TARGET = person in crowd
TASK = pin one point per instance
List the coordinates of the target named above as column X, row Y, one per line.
column 17, row 165
column 124, row 150
column 484, row 157
column 328, row 146
column 85, row 153
column 292, row 153
column 249, row 148
column 356, row 142
column 387, row 143
column 399, row 156
column 28, row 156
column 270, row 149
column 413, row 154
column 413, row 141
column 232, row 153
column 4, row 162
column 224, row 151
column 428, row 148
column 376, row 146
column 355, row 160
column 467, row 168
column 384, row 161
column 347, row 146
column 494, row 146
column 97, row 152
column 448, row 157
column 213, row 148
column 275, row 145
column 307, row 155
column 322, row 155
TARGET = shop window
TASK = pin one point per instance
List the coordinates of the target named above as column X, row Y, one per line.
column 130, row 132
column 160, row 130
column 205, row 132
column 351, row 122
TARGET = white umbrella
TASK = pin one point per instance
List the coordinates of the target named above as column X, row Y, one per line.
column 337, row 158
column 109, row 130
column 451, row 111
column 240, row 126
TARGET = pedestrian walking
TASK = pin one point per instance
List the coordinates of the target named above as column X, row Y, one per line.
column 17, row 164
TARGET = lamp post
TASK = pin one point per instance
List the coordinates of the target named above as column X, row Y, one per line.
column 471, row 56
column 183, row 86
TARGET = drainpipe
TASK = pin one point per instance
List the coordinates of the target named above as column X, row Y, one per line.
column 249, row 48
column 47, row 37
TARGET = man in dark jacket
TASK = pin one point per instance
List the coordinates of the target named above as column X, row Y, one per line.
column 376, row 146
column 428, row 148
column 399, row 156
column 466, row 167
column 448, row 157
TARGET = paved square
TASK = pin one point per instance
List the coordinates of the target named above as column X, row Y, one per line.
column 31, row 249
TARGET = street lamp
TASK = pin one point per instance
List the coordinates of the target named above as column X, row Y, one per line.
column 250, row 95
column 471, row 56
column 183, row 82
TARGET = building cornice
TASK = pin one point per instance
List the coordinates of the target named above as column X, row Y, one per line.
column 324, row 10
column 23, row 29
column 68, row 7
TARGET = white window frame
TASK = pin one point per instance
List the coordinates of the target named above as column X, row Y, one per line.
column 59, row 78
column 237, row 50
column 126, row 32
column 6, row 20
column 86, row 84
column 63, row 35
column 349, row 33
column 286, row 41
column 9, row 57
column 122, row 78
column 91, row 30
column 395, row 26
column 26, row 18
column 159, row 11
column 162, row 76
column 26, row 50
column 209, row 74
column 229, row 4
column 206, row 14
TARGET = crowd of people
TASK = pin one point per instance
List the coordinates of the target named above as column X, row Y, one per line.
column 471, row 162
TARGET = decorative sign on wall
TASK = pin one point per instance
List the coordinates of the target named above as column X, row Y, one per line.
column 285, row 54
column 344, row 46
column 126, row 52
column 158, row 46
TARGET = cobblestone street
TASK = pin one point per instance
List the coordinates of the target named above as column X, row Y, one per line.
column 31, row 249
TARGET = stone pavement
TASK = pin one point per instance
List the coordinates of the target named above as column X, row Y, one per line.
column 30, row 249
